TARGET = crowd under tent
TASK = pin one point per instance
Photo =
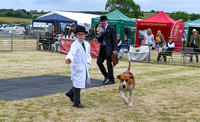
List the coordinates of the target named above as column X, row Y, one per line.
column 159, row 21
column 56, row 19
column 62, row 18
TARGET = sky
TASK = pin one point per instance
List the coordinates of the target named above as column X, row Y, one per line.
column 189, row 6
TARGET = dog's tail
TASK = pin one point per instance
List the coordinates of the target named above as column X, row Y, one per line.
column 129, row 66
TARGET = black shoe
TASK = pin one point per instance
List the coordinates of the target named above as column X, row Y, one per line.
column 109, row 82
column 70, row 96
column 105, row 79
column 78, row 106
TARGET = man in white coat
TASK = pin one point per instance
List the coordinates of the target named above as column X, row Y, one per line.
column 80, row 59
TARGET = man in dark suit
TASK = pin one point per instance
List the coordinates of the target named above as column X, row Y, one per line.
column 108, row 46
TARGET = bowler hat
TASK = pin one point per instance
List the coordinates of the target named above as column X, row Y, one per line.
column 80, row 28
column 102, row 18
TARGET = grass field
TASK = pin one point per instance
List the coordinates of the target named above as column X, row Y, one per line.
column 162, row 93
column 12, row 20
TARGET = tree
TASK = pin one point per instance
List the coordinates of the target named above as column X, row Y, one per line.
column 128, row 7
column 194, row 16
column 180, row 15
column 153, row 11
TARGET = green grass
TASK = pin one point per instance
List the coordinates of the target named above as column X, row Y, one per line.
column 12, row 20
column 162, row 92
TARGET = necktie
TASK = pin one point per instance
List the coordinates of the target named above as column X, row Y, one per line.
column 104, row 43
column 193, row 39
column 83, row 45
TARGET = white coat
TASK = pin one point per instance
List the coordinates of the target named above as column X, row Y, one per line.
column 80, row 62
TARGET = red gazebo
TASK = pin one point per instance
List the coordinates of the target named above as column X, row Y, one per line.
column 160, row 21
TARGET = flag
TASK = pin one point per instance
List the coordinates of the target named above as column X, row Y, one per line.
column 175, row 30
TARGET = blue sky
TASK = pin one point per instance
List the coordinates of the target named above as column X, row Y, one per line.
column 189, row 6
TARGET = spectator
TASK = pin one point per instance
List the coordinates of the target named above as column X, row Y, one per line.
column 66, row 29
column 124, row 47
column 159, row 43
column 72, row 36
column 184, row 40
column 92, row 33
column 57, row 43
column 58, row 29
column 194, row 43
column 73, row 28
column 98, row 30
column 168, row 49
column 149, row 38
column 119, row 42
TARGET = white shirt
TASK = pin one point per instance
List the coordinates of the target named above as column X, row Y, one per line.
column 149, row 39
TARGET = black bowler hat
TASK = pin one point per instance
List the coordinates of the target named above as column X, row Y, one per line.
column 102, row 18
column 80, row 28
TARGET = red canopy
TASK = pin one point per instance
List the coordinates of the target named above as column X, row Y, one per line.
column 160, row 21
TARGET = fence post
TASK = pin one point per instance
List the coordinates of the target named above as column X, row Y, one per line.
column 12, row 42
column 25, row 43
column 184, row 55
column 37, row 43
column 149, row 54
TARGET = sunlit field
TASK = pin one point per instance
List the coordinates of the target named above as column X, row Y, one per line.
column 163, row 92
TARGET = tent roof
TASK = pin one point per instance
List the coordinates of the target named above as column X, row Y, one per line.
column 186, row 23
column 53, row 17
column 160, row 17
column 116, row 15
column 195, row 23
column 81, row 18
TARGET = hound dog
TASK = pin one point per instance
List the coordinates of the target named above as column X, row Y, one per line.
column 127, row 83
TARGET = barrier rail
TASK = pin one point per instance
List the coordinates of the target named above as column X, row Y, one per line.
column 11, row 42
column 183, row 56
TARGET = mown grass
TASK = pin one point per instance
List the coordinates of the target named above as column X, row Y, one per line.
column 13, row 20
column 163, row 92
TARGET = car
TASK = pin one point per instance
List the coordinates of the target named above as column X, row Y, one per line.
column 13, row 28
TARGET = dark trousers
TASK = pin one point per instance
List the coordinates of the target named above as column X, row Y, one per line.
column 195, row 48
column 164, row 56
column 103, row 56
column 75, row 92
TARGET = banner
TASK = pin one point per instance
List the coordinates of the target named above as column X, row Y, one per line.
column 175, row 30
column 177, row 34
column 138, row 54
column 66, row 43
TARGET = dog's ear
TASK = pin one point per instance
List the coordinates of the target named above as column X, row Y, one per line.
column 119, row 76
column 131, row 77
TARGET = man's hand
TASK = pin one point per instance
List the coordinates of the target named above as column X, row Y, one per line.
column 115, row 52
column 68, row 61
column 102, row 30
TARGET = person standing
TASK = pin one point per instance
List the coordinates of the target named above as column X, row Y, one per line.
column 194, row 43
column 108, row 46
column 92, row 33
column 159, row 44
column 80, row 59
column 149, row 38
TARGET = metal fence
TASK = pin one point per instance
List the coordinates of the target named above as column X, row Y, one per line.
column 181, row 57
column 10, row 42
column 14, row 42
